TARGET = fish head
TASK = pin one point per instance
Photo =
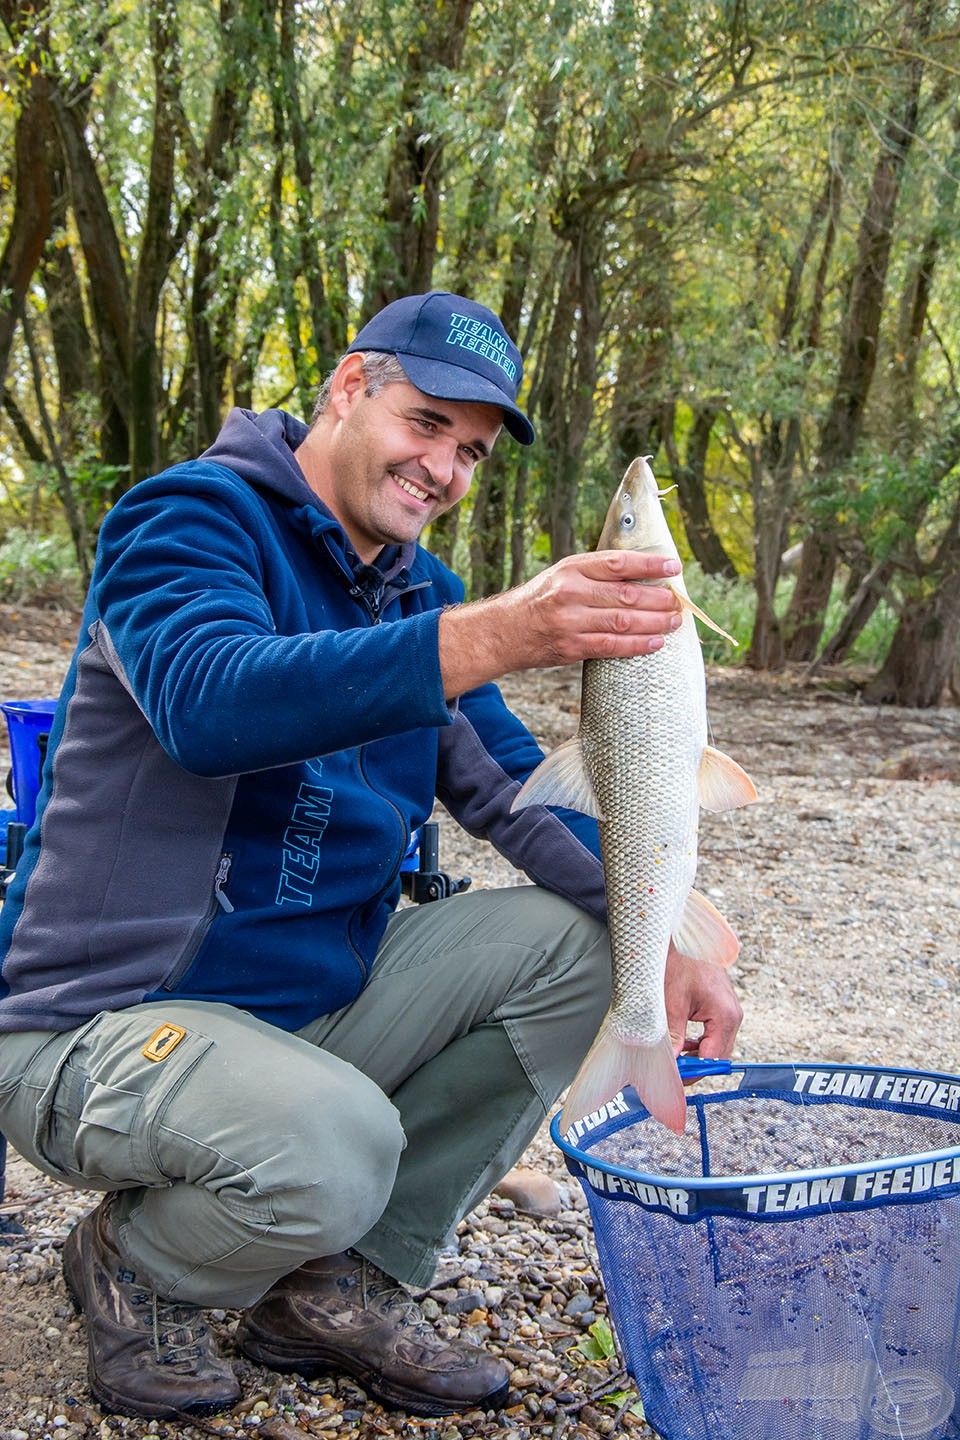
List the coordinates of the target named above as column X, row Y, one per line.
column 635, row 519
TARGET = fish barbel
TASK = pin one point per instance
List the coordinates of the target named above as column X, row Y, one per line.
column 641, row 764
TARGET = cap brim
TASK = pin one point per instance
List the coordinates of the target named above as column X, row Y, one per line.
column 453, row 382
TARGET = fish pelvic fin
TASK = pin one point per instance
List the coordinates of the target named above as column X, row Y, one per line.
column 703, row 934
column 611, row 1064
column 687, row 604
column 722, row 784
column 561, row 779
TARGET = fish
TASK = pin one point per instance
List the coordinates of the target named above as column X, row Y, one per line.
column 642, row 766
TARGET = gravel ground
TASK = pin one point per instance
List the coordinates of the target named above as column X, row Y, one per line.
column 842, row 885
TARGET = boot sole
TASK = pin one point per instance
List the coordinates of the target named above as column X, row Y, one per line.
column 318, row 1361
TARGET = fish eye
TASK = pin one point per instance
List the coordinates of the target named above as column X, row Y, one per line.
column 627, row 521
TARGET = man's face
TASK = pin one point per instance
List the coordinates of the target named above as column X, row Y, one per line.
column 388, row 464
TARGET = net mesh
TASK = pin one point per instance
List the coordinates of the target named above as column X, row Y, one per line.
column 808, row 1315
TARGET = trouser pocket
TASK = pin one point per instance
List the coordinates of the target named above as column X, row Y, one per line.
column 99, row 1110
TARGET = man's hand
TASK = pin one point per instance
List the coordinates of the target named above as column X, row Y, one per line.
column 695, row 990
column 585, row 607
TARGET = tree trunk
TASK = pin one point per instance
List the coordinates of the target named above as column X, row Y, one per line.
column 157, row 247
column 490, row 518
column 690, row 478
column 72, row 346
column 638, row 412
column 913, row 313
column 566, row 382
column 858, row 355
column 518, row 523
column 773, row 462
column 923, row 652
column 403, row 263
column 242, row 24
column 863, row 603
column 108, row 288
column 30, row 225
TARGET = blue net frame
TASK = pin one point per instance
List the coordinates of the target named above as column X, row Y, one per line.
column 789, row 1268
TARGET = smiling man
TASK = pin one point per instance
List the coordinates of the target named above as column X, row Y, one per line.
column 211, row 1008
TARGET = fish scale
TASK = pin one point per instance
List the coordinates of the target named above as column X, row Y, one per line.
column 642, row 766
column 634, row 745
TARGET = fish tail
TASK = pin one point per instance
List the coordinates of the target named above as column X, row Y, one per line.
column 612, row 1063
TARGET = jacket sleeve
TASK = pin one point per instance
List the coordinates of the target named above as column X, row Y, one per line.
column 185, row 623
column 485, row 756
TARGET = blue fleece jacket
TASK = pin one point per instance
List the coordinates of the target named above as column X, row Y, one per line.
column 252, row 727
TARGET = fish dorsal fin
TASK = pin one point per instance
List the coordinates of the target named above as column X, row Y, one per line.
column 687, row 604
column 722, row 784
column 561, row 779
column 703, row 934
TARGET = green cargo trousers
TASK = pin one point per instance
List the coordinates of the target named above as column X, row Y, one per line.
column 241, row 1150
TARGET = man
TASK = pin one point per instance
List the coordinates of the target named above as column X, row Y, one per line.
column 210, row 1010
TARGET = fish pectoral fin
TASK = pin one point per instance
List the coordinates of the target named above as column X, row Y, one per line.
column 722, row 783
column 561, row 779
column 611, row 1064
column 687, row 604
column 703, row 934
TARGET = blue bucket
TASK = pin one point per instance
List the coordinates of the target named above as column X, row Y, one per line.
column 789, row 1268
column 27, row 720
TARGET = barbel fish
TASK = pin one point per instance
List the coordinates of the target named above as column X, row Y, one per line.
column 641, row 764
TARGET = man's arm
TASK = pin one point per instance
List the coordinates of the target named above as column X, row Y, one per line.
column 585, row 607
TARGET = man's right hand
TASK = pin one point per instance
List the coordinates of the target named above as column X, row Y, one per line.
column 585, row 607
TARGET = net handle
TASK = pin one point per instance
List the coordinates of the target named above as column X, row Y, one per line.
column 691, row 1067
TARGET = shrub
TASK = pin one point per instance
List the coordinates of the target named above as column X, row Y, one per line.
column 38, row 570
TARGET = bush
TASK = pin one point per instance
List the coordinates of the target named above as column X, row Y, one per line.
column 732, row 604
column 38, row 570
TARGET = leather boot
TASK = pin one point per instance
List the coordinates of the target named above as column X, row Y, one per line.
column 343, row 1313
column 145, row 1355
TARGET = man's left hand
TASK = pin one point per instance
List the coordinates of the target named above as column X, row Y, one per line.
column 695, row 990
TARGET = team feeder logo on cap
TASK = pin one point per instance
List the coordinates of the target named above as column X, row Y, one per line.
column 453, row 349
column 486, row 340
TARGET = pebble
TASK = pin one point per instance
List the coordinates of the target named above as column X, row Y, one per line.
column 531, row 1191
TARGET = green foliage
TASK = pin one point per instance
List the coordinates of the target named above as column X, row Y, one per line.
column 730, row 604
column 873, row 642
column 627, row 1400
column 598, row 1343
column 38, row 569
column 648, row 184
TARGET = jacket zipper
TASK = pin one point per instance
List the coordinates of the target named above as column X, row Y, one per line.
column 371, row 603
column 223, row 874
column 364, row 967
column 404, row 837
column 218, row 900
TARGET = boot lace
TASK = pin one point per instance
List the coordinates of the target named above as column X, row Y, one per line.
column 380, row 1292
column 177, row 1330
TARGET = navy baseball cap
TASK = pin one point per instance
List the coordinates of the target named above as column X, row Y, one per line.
column 453, row 349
